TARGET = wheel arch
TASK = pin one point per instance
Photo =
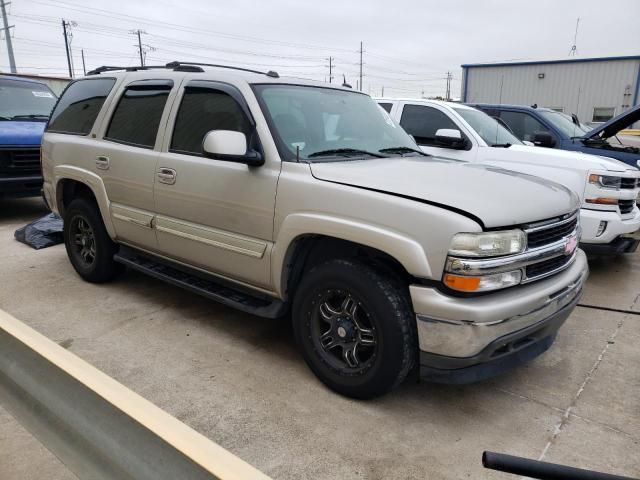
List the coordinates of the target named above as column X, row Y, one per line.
column 72, row 182
column 309, row 239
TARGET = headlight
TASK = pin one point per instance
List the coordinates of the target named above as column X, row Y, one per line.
column 488, row 244
column 482, row 283
column 605, row 181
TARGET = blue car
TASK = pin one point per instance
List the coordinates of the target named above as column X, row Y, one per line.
column 25, row 106
column 548, row 128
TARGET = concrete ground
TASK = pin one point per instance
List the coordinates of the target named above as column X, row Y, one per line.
column 239, row 380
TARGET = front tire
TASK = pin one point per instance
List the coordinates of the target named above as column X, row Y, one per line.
column 89, row 247
column 355, row 327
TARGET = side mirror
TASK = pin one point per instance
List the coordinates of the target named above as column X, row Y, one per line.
column 230, row 146
column 544, row 139
column 528, row 143
column 450, row 138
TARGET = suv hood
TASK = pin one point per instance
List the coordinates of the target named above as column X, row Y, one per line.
column 495, row 196
column 613, row 126
column 553, row 157
column 20, row 133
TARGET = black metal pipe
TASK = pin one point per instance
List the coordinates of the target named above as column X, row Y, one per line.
column 541, row 470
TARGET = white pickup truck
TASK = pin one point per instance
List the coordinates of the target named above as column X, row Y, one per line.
column 607, row 188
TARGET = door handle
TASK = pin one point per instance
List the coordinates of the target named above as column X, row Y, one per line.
column 167, row 176
column 102, row 162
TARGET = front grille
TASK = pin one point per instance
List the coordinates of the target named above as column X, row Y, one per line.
column 20, row 160
column 626, row 206
column 547, row 266
column 555, row 232
column 629, row 183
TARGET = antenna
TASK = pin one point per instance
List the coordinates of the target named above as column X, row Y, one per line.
column 499, row 102
column 575, row 126
column 574, row 48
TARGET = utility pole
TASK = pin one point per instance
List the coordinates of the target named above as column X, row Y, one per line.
column 382, row 91
column 330, row 69
column 448, row 94
column 84, row 68
column 7, row 36
column 66, row 24
column 360, row 66
column 140, row 49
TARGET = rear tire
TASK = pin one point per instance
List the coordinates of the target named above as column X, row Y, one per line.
column 89, row 247
column 355, row 327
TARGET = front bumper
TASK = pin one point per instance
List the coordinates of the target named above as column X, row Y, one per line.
column 23, row 186
column 616, row 226
column 458, row 333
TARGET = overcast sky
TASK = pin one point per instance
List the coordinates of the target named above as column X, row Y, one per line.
column 409, row 45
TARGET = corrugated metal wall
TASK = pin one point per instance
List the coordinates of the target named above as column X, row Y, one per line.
column 608, row 83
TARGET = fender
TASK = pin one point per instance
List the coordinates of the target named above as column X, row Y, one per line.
column 405, row 250
column 91, row 180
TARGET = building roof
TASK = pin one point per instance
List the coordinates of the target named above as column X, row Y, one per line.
column 547, row 62
column 31, row 78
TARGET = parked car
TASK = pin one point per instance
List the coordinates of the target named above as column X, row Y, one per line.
column 549, row 128
column 276, row 195
column 25, row 106
column 608, row 189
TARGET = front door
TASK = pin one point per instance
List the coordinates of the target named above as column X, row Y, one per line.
column 214, row 214
column 423, row 122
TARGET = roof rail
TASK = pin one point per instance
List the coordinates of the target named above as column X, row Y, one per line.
column 178, row 64
column 179, row 67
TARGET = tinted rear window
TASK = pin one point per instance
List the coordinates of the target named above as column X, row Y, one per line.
column 136, row 119
column 79, row 106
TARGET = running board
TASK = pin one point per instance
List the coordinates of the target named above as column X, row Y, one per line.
column 202, row 284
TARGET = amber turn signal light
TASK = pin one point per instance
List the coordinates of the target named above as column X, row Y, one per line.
column 460, row 283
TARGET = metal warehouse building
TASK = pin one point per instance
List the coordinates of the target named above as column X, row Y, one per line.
column 596, row 89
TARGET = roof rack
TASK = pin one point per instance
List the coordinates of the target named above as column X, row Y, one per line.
column 177, row 64
column 179, row 67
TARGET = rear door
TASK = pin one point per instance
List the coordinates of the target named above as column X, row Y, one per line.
column 127, row 154
column 214, row 214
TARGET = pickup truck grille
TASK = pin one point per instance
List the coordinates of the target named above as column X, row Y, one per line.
column 626, row 206
column 629, row 183
column 543, row 235
column 19, row 161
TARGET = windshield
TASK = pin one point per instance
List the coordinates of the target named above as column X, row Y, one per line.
column 25, row 100
column 487, row 127
column 329, row 123
column 564, row 123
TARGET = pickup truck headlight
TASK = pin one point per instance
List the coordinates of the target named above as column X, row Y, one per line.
column 488, row 244
column 605, row 181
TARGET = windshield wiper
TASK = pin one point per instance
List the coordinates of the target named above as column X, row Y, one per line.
column 32, row 116
column 501, row 145
column 402, row 150
column 345, row 152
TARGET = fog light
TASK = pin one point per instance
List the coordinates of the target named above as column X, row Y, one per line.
column 601, row 228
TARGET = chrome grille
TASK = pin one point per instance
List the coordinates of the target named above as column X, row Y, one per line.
column 626, row 206
column 538, row 236
column 20, row 160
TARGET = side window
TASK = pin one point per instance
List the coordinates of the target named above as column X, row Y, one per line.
column 203, row 110
column 386, row 106
column 136, row 119
column 423, row 123
column 523, row 125
column 79, row 106
column 603, row 114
